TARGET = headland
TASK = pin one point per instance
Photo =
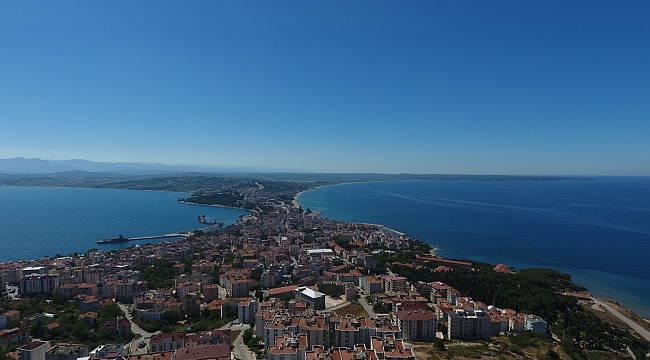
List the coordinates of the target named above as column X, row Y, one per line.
column 281, row 235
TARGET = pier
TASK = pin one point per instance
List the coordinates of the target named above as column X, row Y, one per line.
column 185, row 234
column 121, row 239
column 159, row 236
column 386, row 228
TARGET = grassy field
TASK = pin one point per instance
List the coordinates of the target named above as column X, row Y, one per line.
column 354, row 309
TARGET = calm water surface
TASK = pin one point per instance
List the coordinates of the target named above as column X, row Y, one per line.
column 596, row 230
column 35, row 222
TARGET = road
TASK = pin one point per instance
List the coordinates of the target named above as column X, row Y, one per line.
column 235, row 326
column 240, row 350
column 134, row 327
column 636, row 327
column 366, row 306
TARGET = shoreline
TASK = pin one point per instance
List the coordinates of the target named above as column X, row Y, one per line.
column 295, row 197
column 177, row 219
column 629, row 317
column 434, row 250
column 213, row 205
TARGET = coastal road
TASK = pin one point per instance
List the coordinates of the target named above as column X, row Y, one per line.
column 636, row 327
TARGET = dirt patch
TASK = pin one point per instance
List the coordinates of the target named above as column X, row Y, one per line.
column 354, row 309
column 233, row 335
column 607, row 316
column 423, row 352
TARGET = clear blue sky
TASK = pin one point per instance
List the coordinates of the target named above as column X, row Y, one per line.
column 477, row 87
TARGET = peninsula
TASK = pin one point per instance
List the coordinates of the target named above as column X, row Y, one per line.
column 348, row 287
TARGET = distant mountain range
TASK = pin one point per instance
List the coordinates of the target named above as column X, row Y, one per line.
column 23, row 166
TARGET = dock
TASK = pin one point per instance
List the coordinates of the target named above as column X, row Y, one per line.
column 158, row 236
column 184, row 234
column 122, row 240
column 386, row 228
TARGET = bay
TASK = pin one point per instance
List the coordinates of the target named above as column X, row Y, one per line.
column 40, row 221
column 596, row 230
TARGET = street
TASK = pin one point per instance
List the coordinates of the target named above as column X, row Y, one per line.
column 240, row 350
column 134, row 327
column 366, row 306
column 636, row 327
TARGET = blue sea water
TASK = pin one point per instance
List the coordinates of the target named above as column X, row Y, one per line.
column 39, row 221
column 596, row 230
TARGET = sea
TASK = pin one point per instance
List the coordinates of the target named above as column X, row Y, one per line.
column 41, row 221
column 597, row 230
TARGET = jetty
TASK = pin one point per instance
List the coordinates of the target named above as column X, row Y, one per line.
column 385, row 228
column 160, row 236
column 122, row 239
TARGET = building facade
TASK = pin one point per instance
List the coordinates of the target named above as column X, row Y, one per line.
column 469, row 325
column 417, row 325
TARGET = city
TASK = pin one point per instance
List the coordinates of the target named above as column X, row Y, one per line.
column 282, row 283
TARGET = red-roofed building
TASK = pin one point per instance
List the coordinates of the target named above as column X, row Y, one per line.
column 203, row 352
column 431, row 261
column 394, row 283
column 442, row 268
column 285, row 290
column 166, row 342
column 157, row 356
column 288, row 347
column 370, row 284
column 408, row 305
column 15, row 335
column 35, row 350
column 418, row 325
column 391, row 348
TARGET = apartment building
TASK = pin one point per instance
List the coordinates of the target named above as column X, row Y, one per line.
column 469, row 325
column 417, row 325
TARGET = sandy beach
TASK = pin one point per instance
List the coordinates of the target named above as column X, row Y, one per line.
column 295, row 199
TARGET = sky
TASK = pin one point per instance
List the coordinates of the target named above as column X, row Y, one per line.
column 462, row 87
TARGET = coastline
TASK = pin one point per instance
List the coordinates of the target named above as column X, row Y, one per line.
column 214, row 205
column 628, row 313
column 295, row 197
column 49, row 221
column 633, row 321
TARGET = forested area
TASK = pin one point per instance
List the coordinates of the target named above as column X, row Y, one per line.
column 225, row 199
column 531, row 291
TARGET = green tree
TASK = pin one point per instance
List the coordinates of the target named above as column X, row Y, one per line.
column 439, row 345
column 247, row 335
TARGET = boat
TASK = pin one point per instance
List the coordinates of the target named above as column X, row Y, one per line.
column 119, row 239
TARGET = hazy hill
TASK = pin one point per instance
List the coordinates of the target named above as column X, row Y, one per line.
column 25, row 166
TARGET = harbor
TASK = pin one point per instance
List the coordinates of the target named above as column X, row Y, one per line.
column 122, row 239
column 185, row 234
